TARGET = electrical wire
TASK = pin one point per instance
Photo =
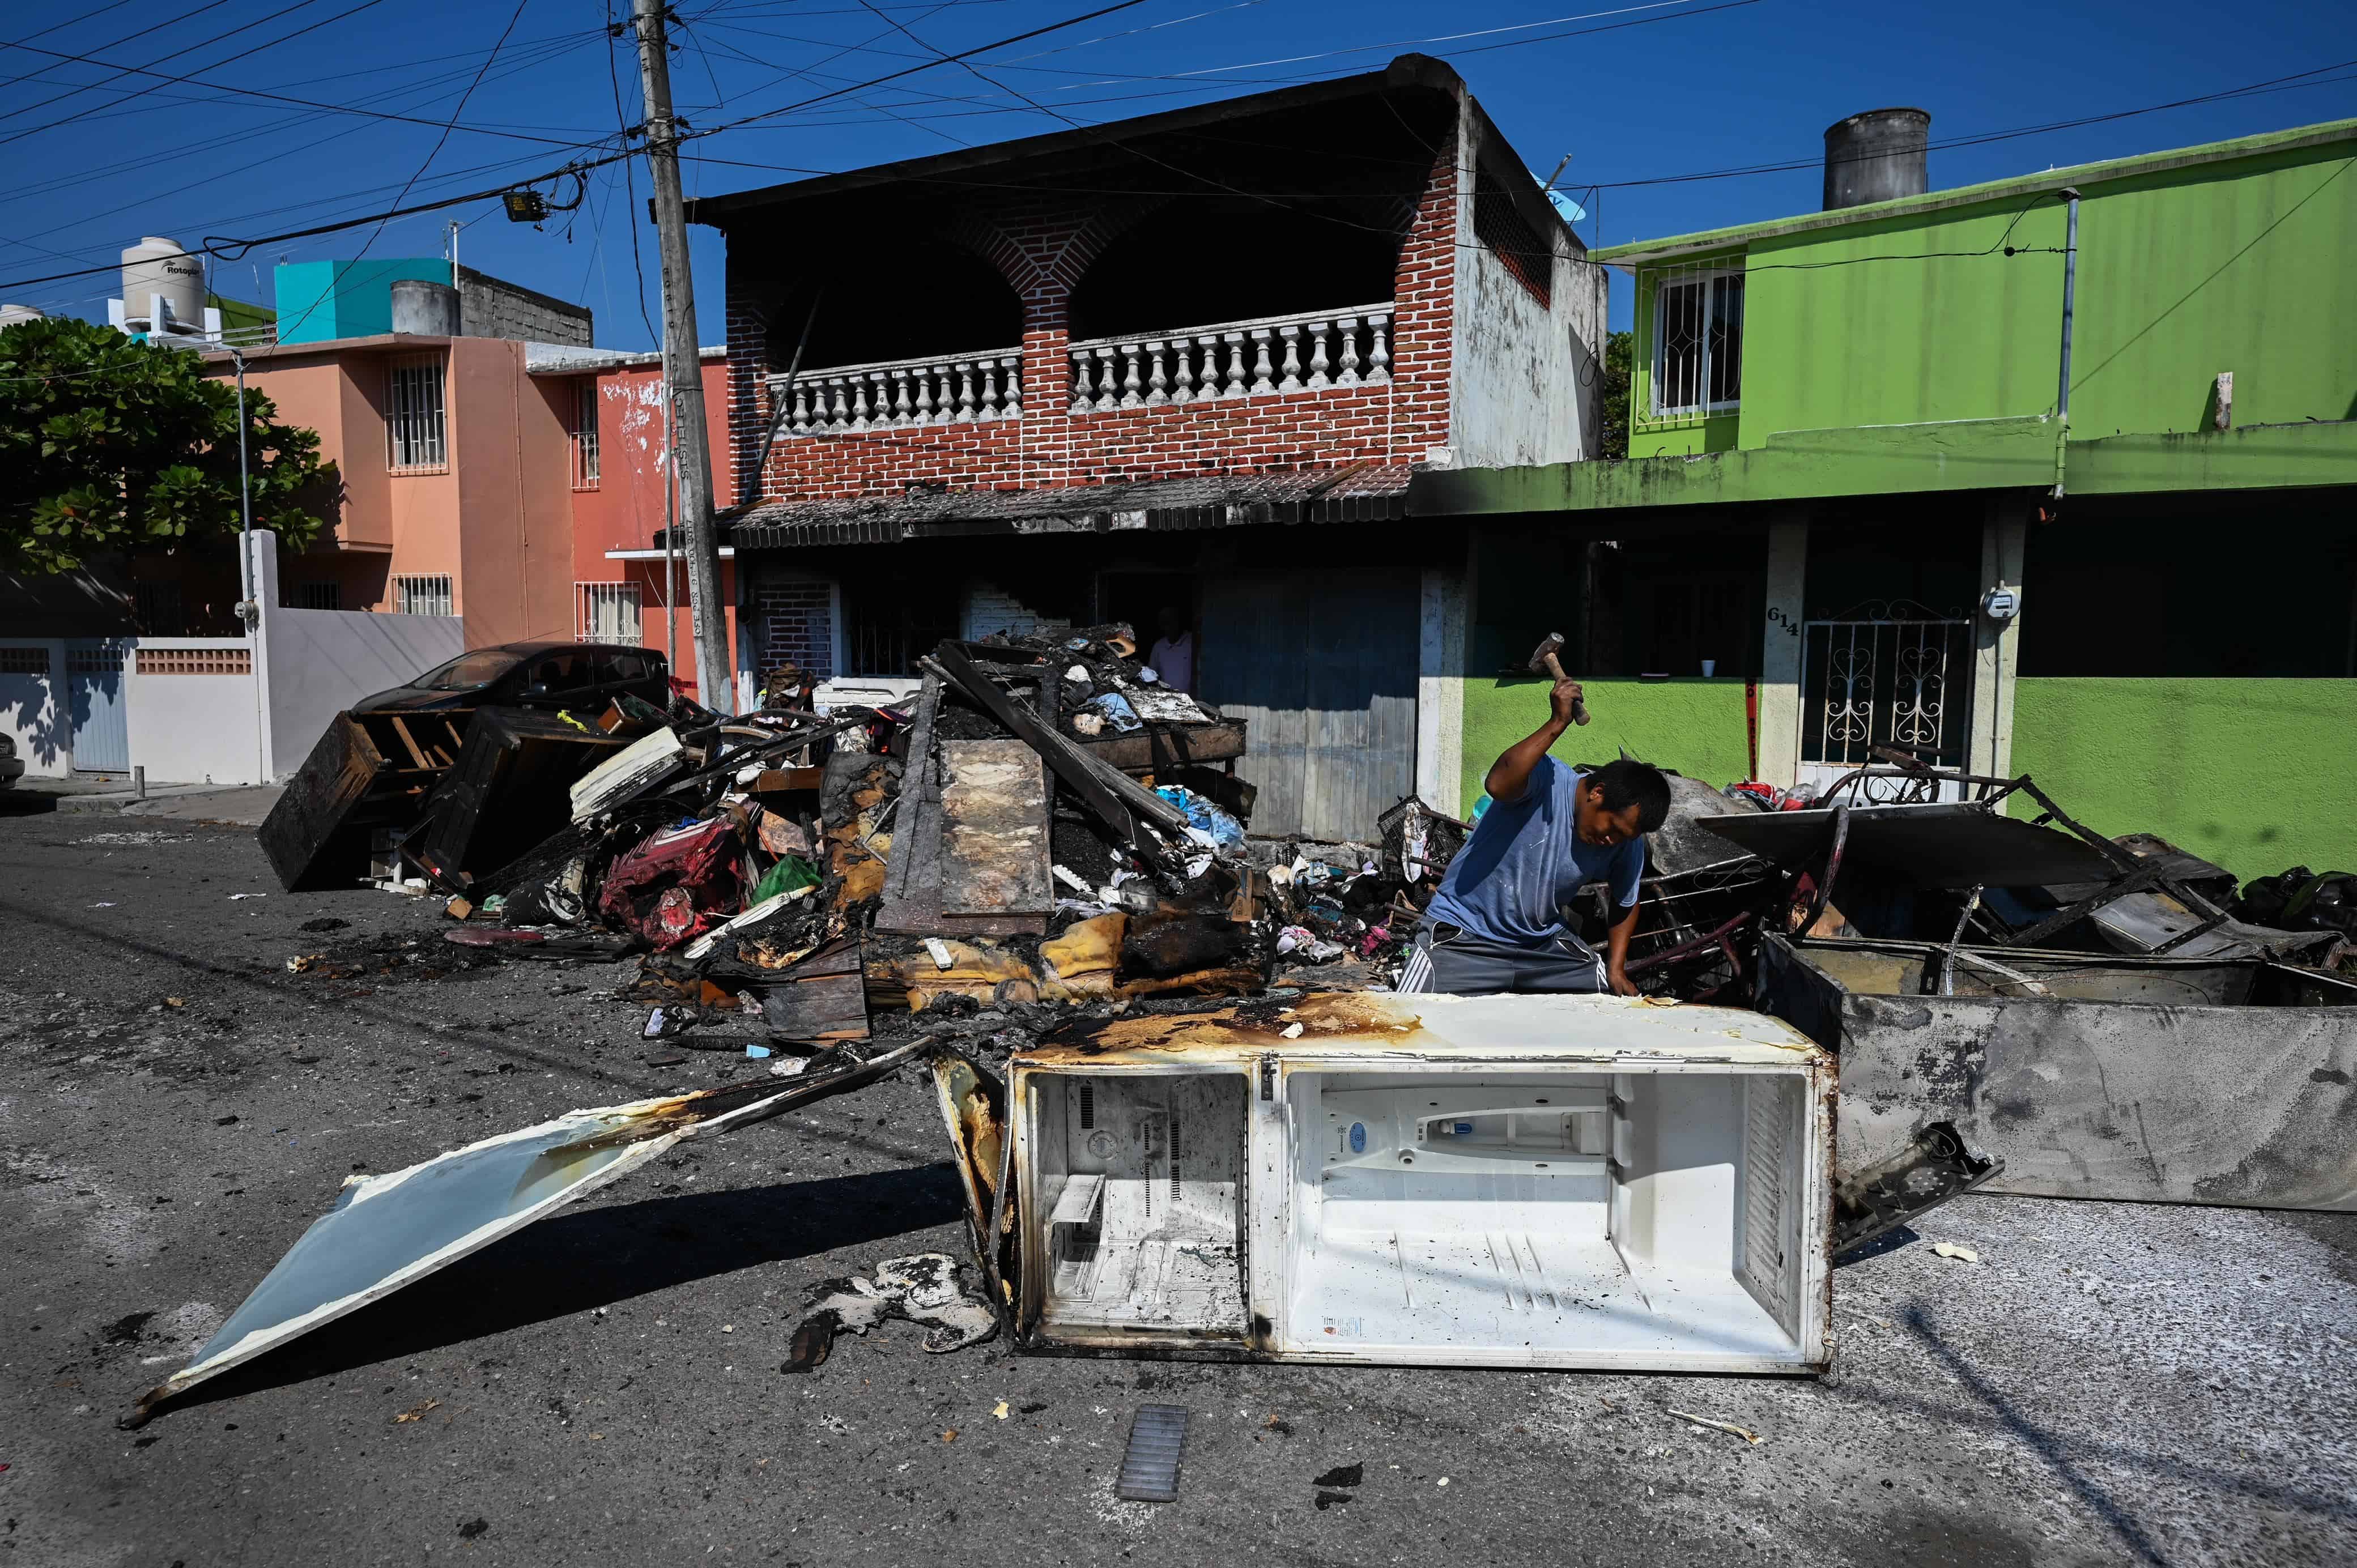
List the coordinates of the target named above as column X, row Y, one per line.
column 11, row 81
column 271, row 128
column 886, row 111
column 268, row 44
column 439, row 141
column 944, row 59
column 630, row 172
column 60, row 27
column 233, row 90
column 216, row 37
column 583, row 166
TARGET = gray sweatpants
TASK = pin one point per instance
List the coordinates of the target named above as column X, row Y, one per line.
column 1456, row 963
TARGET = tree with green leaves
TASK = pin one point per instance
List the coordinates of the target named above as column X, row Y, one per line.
column 109, row 445
column 1612, row 397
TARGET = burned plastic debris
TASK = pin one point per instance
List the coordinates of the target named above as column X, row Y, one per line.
column 923, row 1288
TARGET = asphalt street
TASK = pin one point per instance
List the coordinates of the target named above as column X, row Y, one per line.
column 2111, row 1384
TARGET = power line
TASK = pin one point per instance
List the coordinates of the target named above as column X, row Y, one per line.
column 630, row 171
column 885, row 110
column 271, row 127
column 439, row 141
column 945, row 59
column 237, row 92
column 126, row 70
column 271, row 43
column 84, row 17
column 584, row 165
column 2273, row 84
column 1437, row 39
column 68, row 22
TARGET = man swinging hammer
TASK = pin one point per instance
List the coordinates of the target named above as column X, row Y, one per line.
column 1497, row 923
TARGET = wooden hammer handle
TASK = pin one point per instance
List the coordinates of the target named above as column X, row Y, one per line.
column 1554, row 668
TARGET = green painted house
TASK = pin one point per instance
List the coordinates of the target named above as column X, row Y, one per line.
column 1857, row 510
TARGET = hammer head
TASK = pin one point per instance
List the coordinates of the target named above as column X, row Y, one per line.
column 1550, row 647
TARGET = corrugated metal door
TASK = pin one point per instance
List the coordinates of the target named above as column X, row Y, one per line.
column 96, row 686
column 1323, row 664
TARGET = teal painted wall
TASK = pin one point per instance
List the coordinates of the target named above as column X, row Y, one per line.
column 1695, row 726
column 322, row 300
column 2255, row 775
column 2239, row 264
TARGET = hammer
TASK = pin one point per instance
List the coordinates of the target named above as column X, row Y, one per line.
column 1544, row 659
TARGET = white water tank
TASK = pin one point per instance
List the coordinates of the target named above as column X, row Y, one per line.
column 11, row 314
column 157, row 265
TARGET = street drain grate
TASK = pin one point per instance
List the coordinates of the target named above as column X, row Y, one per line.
column 1149, row 1469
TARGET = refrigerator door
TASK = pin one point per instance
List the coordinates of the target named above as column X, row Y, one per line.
column 974, row 1105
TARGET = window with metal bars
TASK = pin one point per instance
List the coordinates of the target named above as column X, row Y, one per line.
column 610, row 612
column 414, row 435
column 423, row 596
column 159, row 609
column 1698, row 343
column 312, row 595
column 585, row 438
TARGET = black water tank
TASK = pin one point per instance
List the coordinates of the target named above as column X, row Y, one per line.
column 1879, row 156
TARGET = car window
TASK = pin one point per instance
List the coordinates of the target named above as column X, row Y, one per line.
column 558, row 670
column 626, row 668
column 470, row 670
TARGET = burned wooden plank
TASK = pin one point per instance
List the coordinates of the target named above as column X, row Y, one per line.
column 416, row 752
column 994, row 830
column 830, row 1007
column 776, row 781
column 913, row 878
column 1121, row 803
column 1162, row 748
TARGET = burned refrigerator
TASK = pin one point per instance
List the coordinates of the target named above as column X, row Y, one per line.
column 1526, row 1181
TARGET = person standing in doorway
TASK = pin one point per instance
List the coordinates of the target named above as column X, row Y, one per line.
column 1173, row 654
column 1497, row 923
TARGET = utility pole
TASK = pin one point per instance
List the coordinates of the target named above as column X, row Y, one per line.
column 682, row 365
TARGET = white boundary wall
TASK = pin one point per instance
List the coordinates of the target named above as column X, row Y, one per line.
column 193, row 710
column 226, row 710
column 31, row 709
column 316, row 664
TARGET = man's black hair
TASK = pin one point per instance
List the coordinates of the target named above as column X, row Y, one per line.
column 1628, row 783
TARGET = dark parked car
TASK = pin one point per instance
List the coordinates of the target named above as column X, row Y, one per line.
column 583, row 676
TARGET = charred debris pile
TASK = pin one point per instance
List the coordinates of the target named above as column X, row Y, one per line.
column 1041, row 826
column 990, row 876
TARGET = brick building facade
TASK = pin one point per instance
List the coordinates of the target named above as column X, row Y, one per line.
column 1155, row 334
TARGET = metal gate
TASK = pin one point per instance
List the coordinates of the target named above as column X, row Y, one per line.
column 98, row 704
column 1322, row 666
column 1892, row 674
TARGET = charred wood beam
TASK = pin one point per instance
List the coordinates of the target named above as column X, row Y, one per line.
column 1123, row 804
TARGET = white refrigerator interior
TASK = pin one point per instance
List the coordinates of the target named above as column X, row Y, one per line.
column 1515, row 1181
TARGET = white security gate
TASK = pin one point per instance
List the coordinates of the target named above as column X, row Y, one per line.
column 1895, row 675
column 98, row 704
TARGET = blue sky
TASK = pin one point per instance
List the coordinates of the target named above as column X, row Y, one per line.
column 1669, row 89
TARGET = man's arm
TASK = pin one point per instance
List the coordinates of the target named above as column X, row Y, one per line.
column 1510, row 776
column 1616, row 954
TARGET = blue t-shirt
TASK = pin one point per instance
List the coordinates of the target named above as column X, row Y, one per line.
column 1525, row 860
